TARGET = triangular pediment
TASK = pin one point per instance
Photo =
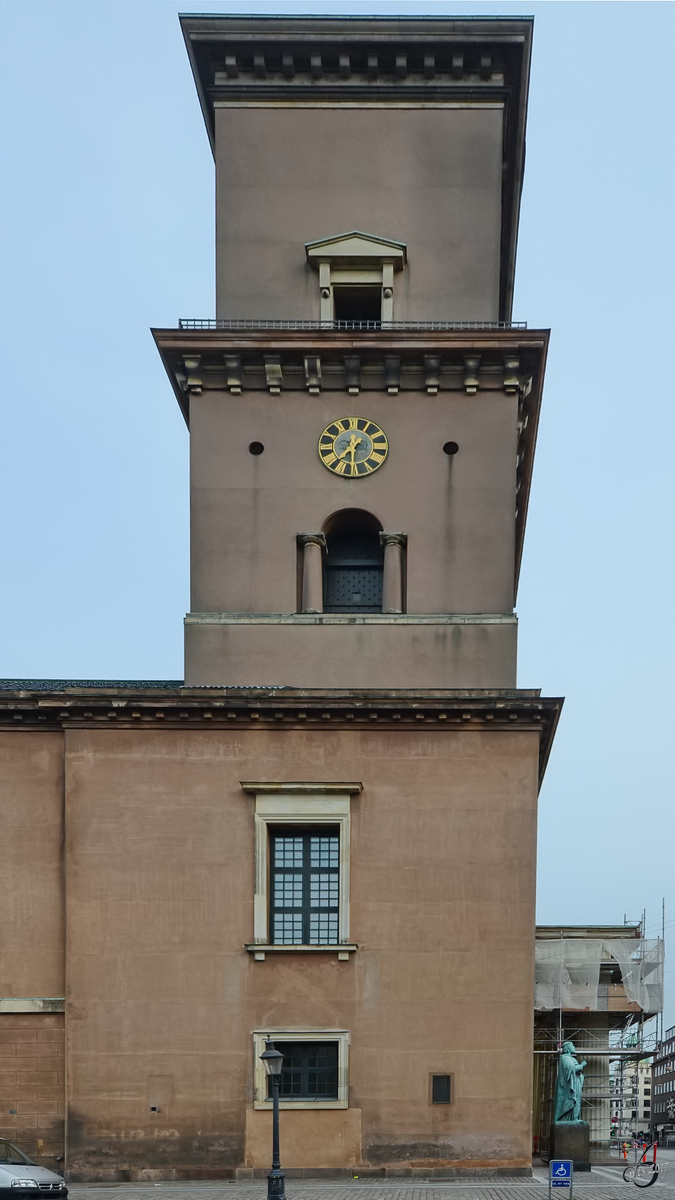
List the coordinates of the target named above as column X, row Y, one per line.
column 355, row 248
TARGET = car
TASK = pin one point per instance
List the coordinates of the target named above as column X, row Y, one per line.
column 20, row 1176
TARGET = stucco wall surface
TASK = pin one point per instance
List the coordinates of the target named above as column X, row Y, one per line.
column 310, row 1139
column 430, row 177
column 457, row 510
column 160, row 847
column 31, row 879
column 352, row 655
column 32, row 1084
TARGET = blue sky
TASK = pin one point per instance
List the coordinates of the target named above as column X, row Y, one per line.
column 109, row 217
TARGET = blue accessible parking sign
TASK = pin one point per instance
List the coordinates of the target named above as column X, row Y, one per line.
column 560, row 1174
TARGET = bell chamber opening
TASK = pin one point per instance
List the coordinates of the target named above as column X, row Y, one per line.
column 357, row 303
column 352, row 574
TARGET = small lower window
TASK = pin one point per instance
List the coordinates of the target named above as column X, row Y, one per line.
column 440, row 1089
column 309, row 1071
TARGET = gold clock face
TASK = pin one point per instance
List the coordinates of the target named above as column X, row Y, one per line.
column 353, row 447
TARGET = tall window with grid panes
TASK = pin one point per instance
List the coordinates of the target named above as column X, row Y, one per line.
column 305, row 887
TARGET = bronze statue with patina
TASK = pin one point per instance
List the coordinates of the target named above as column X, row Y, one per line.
column 569, row 1085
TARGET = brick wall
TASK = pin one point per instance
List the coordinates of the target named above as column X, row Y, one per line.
column 32, row 1059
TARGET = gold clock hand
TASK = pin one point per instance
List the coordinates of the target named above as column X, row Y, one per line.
column 351, row 449
column 353, row 443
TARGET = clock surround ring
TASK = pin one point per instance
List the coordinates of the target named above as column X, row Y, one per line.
column 353, row 447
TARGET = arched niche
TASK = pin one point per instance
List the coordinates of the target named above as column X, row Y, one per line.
column 353, row 562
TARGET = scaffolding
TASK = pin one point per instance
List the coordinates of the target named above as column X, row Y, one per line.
column 587, row 974
column 598, row 992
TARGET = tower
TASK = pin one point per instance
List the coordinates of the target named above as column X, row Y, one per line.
column 363, row 414
column 326, row 834
column 368, row 177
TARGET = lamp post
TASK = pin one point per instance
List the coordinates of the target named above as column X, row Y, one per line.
column 272, row 1060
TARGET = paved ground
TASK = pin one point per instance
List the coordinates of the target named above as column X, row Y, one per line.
column 602, row 1183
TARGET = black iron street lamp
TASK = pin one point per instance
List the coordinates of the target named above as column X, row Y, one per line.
column 273, row 1061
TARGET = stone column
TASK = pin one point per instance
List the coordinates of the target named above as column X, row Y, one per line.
column 392, row 575
column 313, row 545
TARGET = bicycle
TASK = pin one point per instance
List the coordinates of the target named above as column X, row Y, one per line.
column 643, row 1173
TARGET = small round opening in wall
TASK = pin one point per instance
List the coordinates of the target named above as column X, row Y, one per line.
column 255, row 448
column 450, row 448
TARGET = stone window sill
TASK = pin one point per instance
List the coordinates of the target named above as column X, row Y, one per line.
column 260, row 949
column 266, row 1105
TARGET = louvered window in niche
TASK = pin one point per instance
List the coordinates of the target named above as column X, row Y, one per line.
column 353, row 567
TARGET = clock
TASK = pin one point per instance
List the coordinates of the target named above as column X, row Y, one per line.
column 353, row 447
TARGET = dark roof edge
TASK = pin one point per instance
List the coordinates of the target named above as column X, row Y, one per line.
column 56, row 686
column 61, row 685
column 511, row 202
column 316, row 21
column 201, row 92
column 211, row 26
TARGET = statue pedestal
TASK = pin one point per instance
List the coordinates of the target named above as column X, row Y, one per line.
column 569, row 1139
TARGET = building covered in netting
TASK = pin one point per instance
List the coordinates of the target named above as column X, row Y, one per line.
column 600, row 987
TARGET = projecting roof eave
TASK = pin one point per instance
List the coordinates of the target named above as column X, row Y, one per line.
column 164, row 347
column 528, row 447
column 44, row 704
column 508, row 39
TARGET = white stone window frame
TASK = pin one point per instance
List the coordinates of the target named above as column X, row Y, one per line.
column 304, row 805
column 356, row 258
column 341, row 1036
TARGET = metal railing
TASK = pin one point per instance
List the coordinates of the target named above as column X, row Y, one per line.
column 349, row 326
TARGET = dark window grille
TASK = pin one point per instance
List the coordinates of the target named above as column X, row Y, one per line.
column 353, row 572
column 309, row 1071
column 305, row 888
column 440, row 1089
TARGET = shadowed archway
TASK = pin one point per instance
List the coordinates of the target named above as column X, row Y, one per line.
column 352, row 574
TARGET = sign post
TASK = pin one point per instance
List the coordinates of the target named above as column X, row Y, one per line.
column 560, row 1173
